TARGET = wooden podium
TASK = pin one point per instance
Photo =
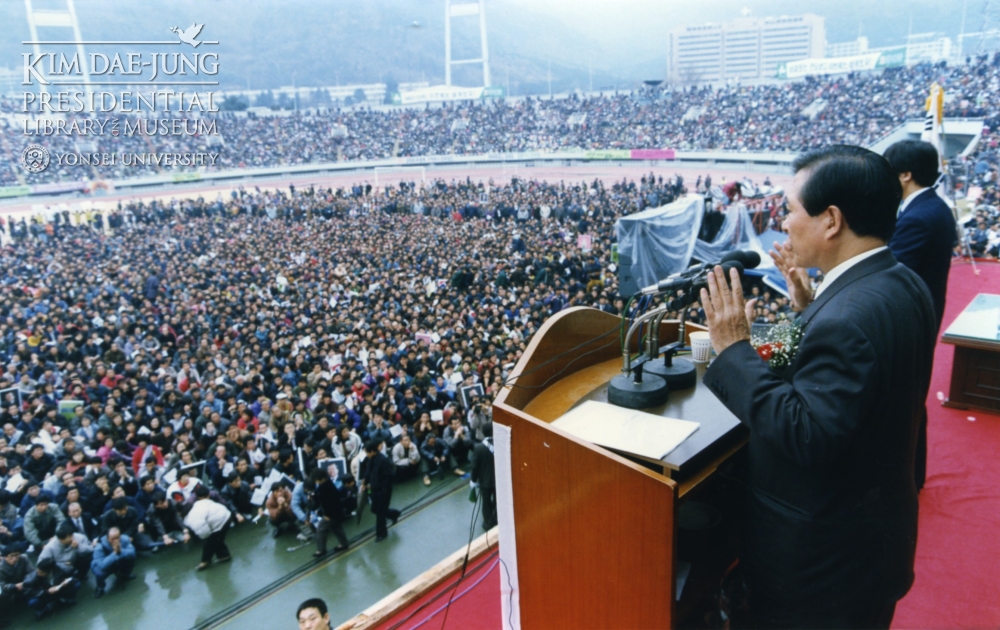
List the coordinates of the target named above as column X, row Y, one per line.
column 597, row 537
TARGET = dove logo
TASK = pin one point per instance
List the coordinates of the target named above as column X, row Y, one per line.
column 189, row 35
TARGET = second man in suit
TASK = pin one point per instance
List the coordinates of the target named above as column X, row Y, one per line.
column 924, row 240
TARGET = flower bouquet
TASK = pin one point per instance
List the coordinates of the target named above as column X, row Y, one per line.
column 777, row 344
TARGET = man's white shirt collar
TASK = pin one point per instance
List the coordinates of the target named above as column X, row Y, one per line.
column 906, row 202
column 842, row 268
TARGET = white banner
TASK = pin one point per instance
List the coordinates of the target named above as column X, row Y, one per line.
column 834, row 65
column 440, row 93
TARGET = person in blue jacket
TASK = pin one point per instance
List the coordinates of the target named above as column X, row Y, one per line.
column 114, row 554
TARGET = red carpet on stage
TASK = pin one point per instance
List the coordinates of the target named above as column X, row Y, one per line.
column 958, row 549
column 469, row 603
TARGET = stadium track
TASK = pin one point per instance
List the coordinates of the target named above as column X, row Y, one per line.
column 608, row 173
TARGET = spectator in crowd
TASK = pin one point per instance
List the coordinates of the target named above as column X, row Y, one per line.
column 406, row 459
column 70, row 551
column 14, row 569
column 45, row 590
column 41, row 521
column 437, row 456
column 113, row 555
column 127, row 520
column 82, row 522
column 237, row 496
column 303, row 511
column 164, row 523
column 456, row 438
column 279, row 508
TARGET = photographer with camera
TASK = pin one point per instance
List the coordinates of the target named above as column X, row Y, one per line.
column 480, row 415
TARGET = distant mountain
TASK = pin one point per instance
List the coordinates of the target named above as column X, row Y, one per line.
column 269, row 44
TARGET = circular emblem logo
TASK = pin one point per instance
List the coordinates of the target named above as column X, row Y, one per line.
column 35, row 158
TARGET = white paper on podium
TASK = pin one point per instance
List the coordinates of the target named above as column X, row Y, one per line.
column 627, row 430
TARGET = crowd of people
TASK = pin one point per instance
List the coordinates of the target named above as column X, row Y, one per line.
column 766, row 117
column 173, row 369
column 217, row 358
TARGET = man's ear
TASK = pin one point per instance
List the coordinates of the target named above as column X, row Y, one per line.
column 833, row 221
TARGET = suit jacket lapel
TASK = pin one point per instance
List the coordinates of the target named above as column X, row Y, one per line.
column 879, row 262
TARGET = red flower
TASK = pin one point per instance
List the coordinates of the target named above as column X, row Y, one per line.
column 766, row 351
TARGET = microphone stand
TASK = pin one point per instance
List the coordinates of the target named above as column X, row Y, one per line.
column 679, row 373
column 632, row 389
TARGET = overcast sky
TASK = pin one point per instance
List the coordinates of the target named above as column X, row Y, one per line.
column 637, row 27
column 619, row 41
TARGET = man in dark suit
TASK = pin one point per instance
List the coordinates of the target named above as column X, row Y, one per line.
column 377, row 473
column 329, row 499
column 831, row 525
column 82, row 521
column 925, row 235
column 484, row 476
column 924, row 241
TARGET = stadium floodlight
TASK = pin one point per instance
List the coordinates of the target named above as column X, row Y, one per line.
column 454, row 9
column 989, row 32
column 57, row 18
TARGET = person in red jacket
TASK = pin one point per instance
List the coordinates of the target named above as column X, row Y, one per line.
column 145, row 450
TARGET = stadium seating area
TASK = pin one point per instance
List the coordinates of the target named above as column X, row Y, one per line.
column 859, row 109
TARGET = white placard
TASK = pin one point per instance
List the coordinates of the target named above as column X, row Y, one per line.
column 510, row 598
column 259, row 496
column 627, row 430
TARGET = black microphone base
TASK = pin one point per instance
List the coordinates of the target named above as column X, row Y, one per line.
column 623, row 391
column 681, row 374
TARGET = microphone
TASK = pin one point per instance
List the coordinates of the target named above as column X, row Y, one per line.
column 696, row 284
column 701, row 281
column 746, row 258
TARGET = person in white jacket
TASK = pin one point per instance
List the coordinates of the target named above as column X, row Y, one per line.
column 406, row 457
column 209, row 521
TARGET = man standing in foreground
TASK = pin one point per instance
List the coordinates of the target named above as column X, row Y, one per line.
column 377, row 474
column 924, row 240
column 831, row 527
column 329, row 500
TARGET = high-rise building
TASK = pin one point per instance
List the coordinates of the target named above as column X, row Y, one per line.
column 847, row 49
column 745, row 48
